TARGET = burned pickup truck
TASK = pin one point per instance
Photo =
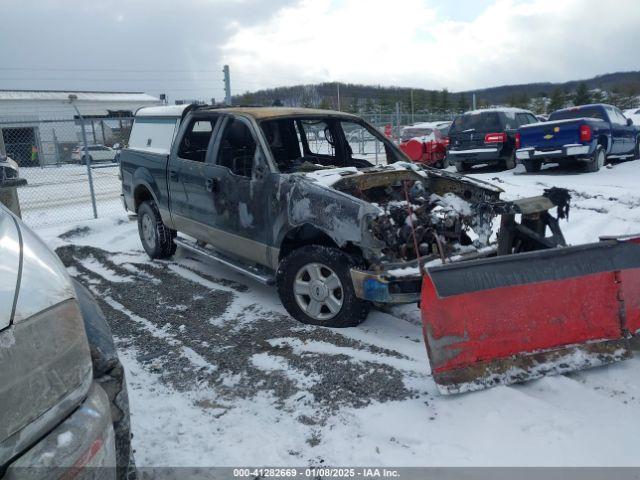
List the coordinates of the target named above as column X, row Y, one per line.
column 317, row 202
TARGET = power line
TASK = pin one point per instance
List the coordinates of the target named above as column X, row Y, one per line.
column 41, row 69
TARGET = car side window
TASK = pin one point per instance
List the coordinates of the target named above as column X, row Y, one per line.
column 195, row 141
column 238, row 148
column 621, row 118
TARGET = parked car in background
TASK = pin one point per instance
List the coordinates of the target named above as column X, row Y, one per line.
column 588, row 134
column 64, row 407
column 426, row 143
column 486, row 136
column 94, row 153
column 542, row 117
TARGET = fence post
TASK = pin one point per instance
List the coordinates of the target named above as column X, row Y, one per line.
column 86, row 157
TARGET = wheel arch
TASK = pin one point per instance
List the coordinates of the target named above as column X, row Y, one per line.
column 308, row 234
column 141, row 193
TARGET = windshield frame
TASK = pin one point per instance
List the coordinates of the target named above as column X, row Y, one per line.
column 340, row 138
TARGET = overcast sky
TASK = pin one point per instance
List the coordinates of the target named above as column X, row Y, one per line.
column 179, row 47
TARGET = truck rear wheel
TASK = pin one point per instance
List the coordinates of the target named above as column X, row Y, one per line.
column 510, row 163
column 462, row 167
column 532, row 166
column 596, row 161
column 156, row 237
column 315, row 287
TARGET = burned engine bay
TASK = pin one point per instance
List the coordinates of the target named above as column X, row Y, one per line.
column 437, row 215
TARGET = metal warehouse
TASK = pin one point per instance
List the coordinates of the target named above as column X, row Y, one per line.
column 40, row 127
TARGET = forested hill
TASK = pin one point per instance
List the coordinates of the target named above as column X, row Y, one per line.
column 621, row 88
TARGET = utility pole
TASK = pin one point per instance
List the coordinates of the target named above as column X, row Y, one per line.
column 473, row 101
column 338, row 87
column 227, row 85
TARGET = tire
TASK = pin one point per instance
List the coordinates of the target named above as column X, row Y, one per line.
column 510, row 163
column 597, row 160
column 85, row 158
column 326, row 270
column 156, row 237
column 532, row 166
column 462, row 167
column 636, row 151
column 114, row 384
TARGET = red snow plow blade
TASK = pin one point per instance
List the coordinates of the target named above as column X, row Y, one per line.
column 517, row 317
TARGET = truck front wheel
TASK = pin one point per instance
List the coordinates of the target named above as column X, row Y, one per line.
column 315, row 287
column 156, row 237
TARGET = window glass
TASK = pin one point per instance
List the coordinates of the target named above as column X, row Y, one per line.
column 195, row 141
column 412, row 132
column 480, row 121
column 583, row 112
column 363, row 144
column 154, row 135
column 238, row 148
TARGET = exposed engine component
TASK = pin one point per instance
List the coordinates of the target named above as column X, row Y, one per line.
column 415, row 219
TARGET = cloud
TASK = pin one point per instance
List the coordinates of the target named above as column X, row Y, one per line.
column 180, row 47
column 410, row 43
column 150, row 45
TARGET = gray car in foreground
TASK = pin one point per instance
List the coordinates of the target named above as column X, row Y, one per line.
column 63, row 401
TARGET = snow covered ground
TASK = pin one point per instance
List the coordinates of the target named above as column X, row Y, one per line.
column 219, row 375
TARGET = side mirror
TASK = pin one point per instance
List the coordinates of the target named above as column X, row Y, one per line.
column 629, row 122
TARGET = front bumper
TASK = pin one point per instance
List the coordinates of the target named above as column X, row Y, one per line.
column 81, row 447
column 566, row 151
column 386, row 288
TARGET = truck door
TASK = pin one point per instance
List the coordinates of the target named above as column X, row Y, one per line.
column 630, row 131
column 190, row 201
column 237, row 182
column 618, row 132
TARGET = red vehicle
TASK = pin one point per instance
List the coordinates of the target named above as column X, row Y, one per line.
column 426, row 143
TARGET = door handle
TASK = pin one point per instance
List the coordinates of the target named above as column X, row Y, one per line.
column 212, row 185
column 173, row 175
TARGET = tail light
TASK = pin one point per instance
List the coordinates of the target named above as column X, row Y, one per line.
column 585, row 133
column 517, row 140
column 495, row 137
column 447, row 141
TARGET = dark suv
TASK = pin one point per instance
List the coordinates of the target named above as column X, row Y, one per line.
column 486, row 137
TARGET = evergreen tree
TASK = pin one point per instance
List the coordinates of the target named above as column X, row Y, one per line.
column 557, row 100
column 444, row 105
column 463, row 104
column 582, row 96
column 433, row 101
column 598, row 96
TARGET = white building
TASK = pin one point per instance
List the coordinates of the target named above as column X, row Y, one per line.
column 39, row 127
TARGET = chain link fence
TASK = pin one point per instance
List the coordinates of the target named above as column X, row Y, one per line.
column 61, row 171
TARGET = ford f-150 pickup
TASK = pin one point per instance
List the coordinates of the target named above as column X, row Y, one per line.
column 588, row 134
column 283, row 196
